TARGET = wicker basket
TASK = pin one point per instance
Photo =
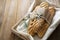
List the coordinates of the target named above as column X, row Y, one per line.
column 25, row 35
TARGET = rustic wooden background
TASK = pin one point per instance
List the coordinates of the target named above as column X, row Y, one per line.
column 11, row 11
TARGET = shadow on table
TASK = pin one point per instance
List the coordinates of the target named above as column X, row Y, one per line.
column 56, row 34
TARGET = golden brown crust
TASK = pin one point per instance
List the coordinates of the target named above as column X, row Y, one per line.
column 44, row 4
column 34, row 26
column 40, row 25
column 35, row 23
column 31, row 25
column 42, row 31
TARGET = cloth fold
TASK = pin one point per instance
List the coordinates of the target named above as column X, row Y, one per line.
column 52, row 27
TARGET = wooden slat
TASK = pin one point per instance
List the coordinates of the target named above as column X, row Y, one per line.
column 14, row 10
column 5, row 18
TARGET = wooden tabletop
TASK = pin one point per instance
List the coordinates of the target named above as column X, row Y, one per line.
column 13, row 11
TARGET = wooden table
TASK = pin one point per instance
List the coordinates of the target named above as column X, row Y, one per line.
column 13, row 10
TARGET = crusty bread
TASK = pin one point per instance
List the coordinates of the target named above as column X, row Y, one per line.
column 35, row 23
column 45, row 26
column 44, row 4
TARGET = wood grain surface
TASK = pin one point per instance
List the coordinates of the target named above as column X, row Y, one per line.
column 12, row 11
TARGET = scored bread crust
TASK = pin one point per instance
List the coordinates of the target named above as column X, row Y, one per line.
column 45, row 26
column 35, row 23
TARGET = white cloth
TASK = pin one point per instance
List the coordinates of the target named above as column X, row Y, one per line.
column 37, row 11
column 56, row 3
column 53, row 26
column 55, row 22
